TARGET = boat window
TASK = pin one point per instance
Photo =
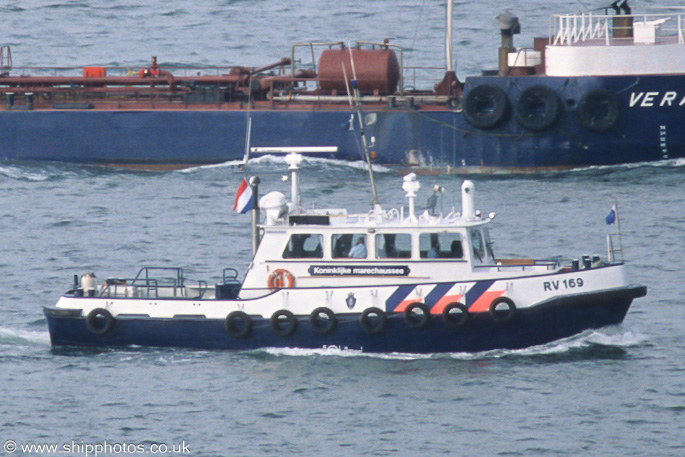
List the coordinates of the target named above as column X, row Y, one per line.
column 440, row 246
column 304, row 246
column 349, row 245
column 489, row 244
column 393, row 246
column 478, row 245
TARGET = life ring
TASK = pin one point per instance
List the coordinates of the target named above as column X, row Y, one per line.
column 414, row 320
column 538, row 108
column 99, row 321
column 499, row 315
column 598, row 110
column 455, row 320
column 372, row 320
column 281, row 279
column 486, row 106
column 238, row 324
column 320, row 324
column 283, row 322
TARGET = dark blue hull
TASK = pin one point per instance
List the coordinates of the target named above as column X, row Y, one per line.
column 650, row 112
column 549, row 321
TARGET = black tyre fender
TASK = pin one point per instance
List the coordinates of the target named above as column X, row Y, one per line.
column 450, row 320
column 99, row 321
column 499, row 315
column 238, row 324
column 323, row 325
column 486, row 106
column 538, row 108
column 417, row 321
column 283, row 322
column 598, row 110
column 370, row 315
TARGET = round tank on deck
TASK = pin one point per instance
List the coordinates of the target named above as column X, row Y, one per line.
column 377, row 70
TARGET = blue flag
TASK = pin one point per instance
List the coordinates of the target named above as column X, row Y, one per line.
column 611, row 217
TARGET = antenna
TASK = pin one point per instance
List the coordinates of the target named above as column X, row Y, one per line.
column 358, row 107
column 248, row 129
column 448, row 36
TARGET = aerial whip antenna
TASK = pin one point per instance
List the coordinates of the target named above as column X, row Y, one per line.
column 358, row 107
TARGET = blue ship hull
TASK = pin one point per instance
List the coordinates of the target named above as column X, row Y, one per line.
column 650, row 113
column 549, row 321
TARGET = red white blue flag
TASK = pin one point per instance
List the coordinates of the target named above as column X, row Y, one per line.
column 243, row 198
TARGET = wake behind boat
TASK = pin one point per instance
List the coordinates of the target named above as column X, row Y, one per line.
column 382, row 281
column 603, row 87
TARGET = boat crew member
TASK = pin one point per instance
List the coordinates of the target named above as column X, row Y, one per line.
column 435, row 248
column 358, row 251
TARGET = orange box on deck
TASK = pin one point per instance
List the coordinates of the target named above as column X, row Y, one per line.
column 94, row 72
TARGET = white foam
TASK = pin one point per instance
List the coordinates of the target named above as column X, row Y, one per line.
column 609, row 336
column 24, row 337
column 18, row 173
column 271, row 159
column 673, row 163
column 335, row 351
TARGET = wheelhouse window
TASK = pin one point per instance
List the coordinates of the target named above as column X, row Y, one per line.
column 304, row 246
column 482, row 246
column 393, row 246
column 489, row 244
column 349, row 246
column 440, row 246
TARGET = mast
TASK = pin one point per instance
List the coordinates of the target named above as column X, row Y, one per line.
column 358, row 106
column 448, row 35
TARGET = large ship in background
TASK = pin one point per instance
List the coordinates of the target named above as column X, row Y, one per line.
column 603, row 88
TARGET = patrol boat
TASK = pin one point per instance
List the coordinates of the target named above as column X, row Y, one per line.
column 382, row 281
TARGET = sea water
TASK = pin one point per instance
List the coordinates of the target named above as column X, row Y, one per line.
column 618, row 391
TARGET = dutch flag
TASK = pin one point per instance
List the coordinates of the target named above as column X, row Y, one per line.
column 243, row 198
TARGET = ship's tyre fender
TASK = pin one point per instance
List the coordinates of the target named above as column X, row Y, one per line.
column 498, row 314
column 99, row 321
column 598, row 110
column 414, row 320
column 238, row 324
column 373, row 320
column 280, row 279
column 486, row 106
column 322, row 325
column 538, row 108
column 283, row 322
column 452, row 321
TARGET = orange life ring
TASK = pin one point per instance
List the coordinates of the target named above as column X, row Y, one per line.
column 281, row 279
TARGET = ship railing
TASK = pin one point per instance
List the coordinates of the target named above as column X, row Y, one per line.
column 512, row 265
column 572, row 29
column 5, row 60
column 139, row 91
column 614, row 247
column 152, row 282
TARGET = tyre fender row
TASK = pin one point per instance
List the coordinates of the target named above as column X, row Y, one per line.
column 372, row 320
column 538, row 108
column 322, row 320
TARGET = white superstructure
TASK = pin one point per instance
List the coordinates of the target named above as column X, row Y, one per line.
column 591, row 44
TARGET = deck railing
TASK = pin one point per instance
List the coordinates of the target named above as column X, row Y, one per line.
column 571, row 29
column 152, row 282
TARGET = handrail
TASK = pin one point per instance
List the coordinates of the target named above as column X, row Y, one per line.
column 233, row 275
column 5, row 60
column 568, row 29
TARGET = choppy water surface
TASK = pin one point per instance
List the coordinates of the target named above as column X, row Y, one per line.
column 614, row 392
column 617, row 391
